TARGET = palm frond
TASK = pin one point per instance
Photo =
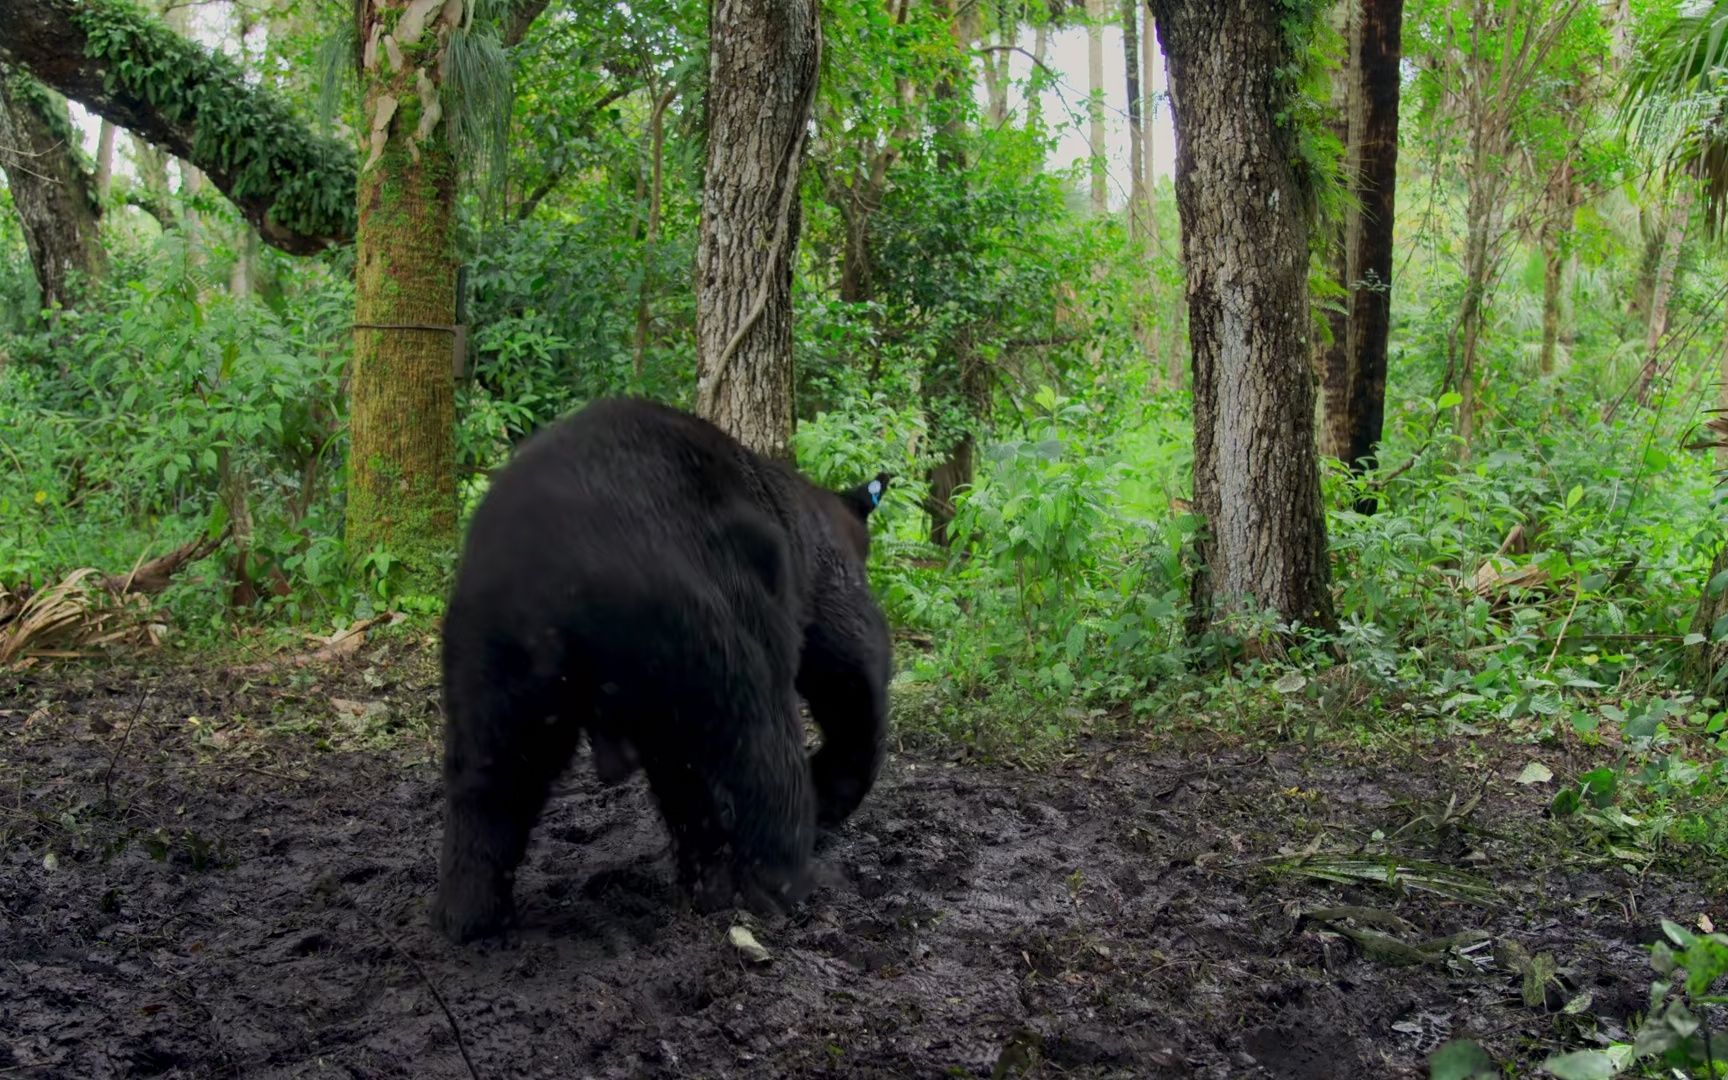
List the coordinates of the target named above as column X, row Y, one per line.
column 478, row 95
column 1676, row 104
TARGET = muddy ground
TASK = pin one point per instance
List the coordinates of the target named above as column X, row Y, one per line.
column 205, row 873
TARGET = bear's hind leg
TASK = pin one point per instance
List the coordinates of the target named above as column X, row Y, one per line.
column 502, row 751
column 738, row 803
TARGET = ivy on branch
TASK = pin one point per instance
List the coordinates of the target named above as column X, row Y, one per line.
column 128, row 67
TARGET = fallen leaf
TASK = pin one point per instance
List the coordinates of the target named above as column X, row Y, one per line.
column 740, row 938
column 1535, row 773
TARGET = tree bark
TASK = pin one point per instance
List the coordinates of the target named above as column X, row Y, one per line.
column 763, row 62
column 1485, row 189
column 1332, row 351
column 53, row 195
column 1095, row 135
column 297, row 189
column 1355, row 433
column 402, row 407
column 1256, row 474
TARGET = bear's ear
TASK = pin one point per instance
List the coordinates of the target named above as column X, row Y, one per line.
column 867, row 496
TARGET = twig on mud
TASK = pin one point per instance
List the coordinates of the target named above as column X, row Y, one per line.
column 336, row 646
column 242, row 767
column 1205, row 773
column 31, row 1066
column 114, row 759
column 455, row 1028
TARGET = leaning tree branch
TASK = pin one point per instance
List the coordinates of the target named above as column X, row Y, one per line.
column 129, row 68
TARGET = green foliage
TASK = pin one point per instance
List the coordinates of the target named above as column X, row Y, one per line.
column 142, row 401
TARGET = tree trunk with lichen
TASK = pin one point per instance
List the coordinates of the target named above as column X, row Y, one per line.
column 401, row 468
column 1245, row 239
column 763, row 58
column 54, row 196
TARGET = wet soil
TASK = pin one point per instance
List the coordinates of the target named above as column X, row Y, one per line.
column 204, row 874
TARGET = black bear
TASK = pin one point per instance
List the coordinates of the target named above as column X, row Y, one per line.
column 637, row 574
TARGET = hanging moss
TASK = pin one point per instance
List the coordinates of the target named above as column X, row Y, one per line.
column 239, row 131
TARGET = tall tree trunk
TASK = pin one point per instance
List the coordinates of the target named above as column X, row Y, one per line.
column 243, row 275
column 104, row 161
column 1373, row 142
column 1332, row 352
column 1484, row 187
column 651, row 234
column 53, row 195
column 191, row 221
column 402, row 405
column 1662, row 288
column 1095, row 136
column 1256, row 475
column 763, row 61
column 1136, row 160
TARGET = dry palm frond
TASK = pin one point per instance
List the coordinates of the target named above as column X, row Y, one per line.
column 69, row 615
column 1500, row 574
column 1712, row 434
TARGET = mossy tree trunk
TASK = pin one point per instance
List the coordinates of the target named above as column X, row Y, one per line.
column 763, row 60
column 1245, row 241
column 402, row 411
column 54, row 196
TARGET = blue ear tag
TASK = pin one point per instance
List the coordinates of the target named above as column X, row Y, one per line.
column 875, row 490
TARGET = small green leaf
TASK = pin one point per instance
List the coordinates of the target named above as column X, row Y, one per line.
column 1535, row 773
column 1451, row 399
column 1460, row 1059
column 1573, row 496
column 1582, row 1065
column 1718, row 582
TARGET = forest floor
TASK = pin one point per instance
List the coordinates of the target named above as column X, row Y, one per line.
column 209, row 873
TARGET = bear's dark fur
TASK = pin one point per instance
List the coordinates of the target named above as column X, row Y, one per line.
column 637, row 574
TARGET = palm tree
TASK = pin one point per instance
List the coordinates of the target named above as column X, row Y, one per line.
column 1676, row 105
